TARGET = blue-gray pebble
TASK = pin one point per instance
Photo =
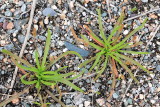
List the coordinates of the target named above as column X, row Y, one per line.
column 71, row 47
column 158, row 68
column 49, row 12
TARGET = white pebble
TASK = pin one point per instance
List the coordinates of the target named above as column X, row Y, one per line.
column 84, row 13
column 64, row 50
column 60, row 43
column 54, row 7
column 152, row 75
column 36, row 27
column 150, row 85
column 141, row 96
column 46, row 21
column 152, row 101
column 125, row 32
column 86, row 103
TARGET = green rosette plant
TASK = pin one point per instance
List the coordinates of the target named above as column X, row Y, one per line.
column 111, row 49
column 40, row 73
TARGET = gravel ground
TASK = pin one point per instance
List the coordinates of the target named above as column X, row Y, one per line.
column 14, row 17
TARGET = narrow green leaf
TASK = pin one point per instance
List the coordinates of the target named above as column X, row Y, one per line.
column 128, row 36
column 66, row 74
column 133, row 52
column 23, row 67
column 91, row 44
column 87, row 61
column 54, row 72
column 75, row 77
column 125, row 67
column 101, row 26
column 46, row 48
column 48, row 83
column 17, row 58
column 37, row 60
column 112, row 33
column 95, row 62
column 95, row 37
column 103, row 68
column 55, row 77
column 27, row 82
column 133, row 61
column 122, row 46
column 38, row 86
column 99, row 63
column 65, row 81
column 61, row 56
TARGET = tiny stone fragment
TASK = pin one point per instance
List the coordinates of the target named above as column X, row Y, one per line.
column 49, row 12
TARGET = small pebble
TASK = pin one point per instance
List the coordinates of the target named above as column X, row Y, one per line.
column 42, row 38
column 115, row 95
column 8, row 13
column 21, row 38
column 2, row 19
column 9, row 47
column 5, row 25
column 152, row 101
column 129, row 101
column 144, row 1
column 158, row 68
column 10, row 26
column 86, row 103
column 141, row 96
column 104, row 14
column 68, row 101
column 46, row 21
column 23, row 8
column 49, row 12
column 125, row 32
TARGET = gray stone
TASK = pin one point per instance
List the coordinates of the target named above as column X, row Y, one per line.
column 145, row 1
column 21, row 38
column 158, row 35
column 1, row 48
column 42, row 38
column 85, row 70
column 104, row 14
column 97, row 85
column 152, row 89
column 129, row 101
column 23, row 8
column 49, row 12
column 109, row 27
column 17, row 24
column 20, row 3
column 2, row 19
column 3, row 6
column 158, row 68
column 1, row 57
column 115, row 9
column 9, row 47
column 115, row 95
column 68, row 101
column 25, row 104
column 71, row 47
column 8, row 13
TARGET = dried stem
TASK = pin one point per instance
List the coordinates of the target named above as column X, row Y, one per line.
column 14, row 97
column 56, row 99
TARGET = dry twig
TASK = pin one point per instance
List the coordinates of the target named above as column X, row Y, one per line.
column 25, row 42
column 14, row 97
column 141, row 14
